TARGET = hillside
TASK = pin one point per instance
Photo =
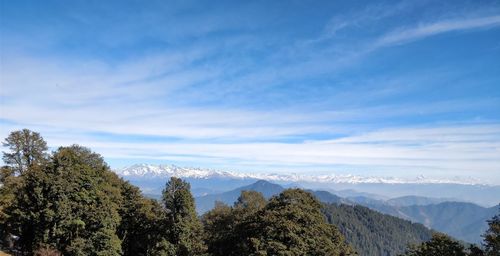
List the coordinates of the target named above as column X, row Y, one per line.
column 373, row 233
column 464, row 221
column 370, row 232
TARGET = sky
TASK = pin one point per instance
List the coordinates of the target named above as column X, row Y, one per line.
column 372, row 88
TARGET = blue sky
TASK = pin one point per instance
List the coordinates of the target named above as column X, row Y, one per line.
column 374, row 88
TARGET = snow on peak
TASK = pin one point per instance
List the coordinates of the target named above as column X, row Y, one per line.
column 150, row 170
column 162, row 171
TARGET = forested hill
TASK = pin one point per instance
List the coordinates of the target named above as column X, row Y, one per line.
column 368, row 231
column 374, row 233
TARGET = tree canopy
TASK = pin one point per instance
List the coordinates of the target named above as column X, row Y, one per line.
column 25, row 149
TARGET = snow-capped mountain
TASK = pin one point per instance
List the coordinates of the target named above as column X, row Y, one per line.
column 152, row 179
column 161, row 171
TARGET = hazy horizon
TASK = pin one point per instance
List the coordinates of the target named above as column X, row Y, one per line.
column 384, row 88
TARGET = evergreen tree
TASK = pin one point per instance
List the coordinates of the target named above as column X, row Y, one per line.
column 185, row 231
column 292, row 224
column 229, row 229
column 219, row 225
column 372, row 233
column 70, row 204
column 26, row 148
column 9, row 184
column 439, row 245
column 139, row 217
column 492, row 237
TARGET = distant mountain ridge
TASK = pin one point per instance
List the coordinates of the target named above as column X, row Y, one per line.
column 207, row 202
column 465, row 221
column 154, row 171
column 370, row 232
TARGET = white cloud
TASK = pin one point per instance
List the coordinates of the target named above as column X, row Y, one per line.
column 425, row 30
column 68, row 100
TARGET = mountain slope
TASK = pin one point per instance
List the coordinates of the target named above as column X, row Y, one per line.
column 373, row 233
column 465, row 221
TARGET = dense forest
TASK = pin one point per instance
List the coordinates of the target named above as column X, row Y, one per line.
column 373, row 233
column 69, row 202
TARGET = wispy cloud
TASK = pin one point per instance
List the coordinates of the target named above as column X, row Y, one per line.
column 425, row 30
column 247, row 89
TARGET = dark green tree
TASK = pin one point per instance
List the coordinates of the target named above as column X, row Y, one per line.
column 138, row 228
column 292, row 224
column 439, row 245
column 219, row 225
column 70, row 204
column 372, row 233
column 9, row 184
column 25, row 149
column 229, row 229
column 473, row 250
column 184, row 229
column 492, row 237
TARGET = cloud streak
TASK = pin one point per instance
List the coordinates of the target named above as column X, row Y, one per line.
column 440, row 27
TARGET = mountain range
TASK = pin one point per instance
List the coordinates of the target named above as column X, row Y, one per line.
column 364, row 229
column 151, row 179
column 149, row 170
column 465, row 221
column 452, row 213
column 369, row 232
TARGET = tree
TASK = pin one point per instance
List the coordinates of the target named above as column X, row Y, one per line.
column 9, row 184
column 185, row 231
column 138, row 227
column 228, row 229
column 26, row 148
column 289, row 224
column 473, row 250
column 292, row 224
column 492, row 236
column 219, row 224
column 439, row 245
column 69, row 204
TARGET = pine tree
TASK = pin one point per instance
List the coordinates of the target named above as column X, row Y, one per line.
column 492, row 237
column 439, row 245
column 185, row 231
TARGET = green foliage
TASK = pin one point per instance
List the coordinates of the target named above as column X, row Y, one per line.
column 292, row 224
column 185, row 231
column 9, row 184
column 492, row 237
column 289, row 224
column 373, row 233
column 69, row 204
column 163, row 248
column 439, row 245
column 26, row 148
column 139, row 217
column 229, row 230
